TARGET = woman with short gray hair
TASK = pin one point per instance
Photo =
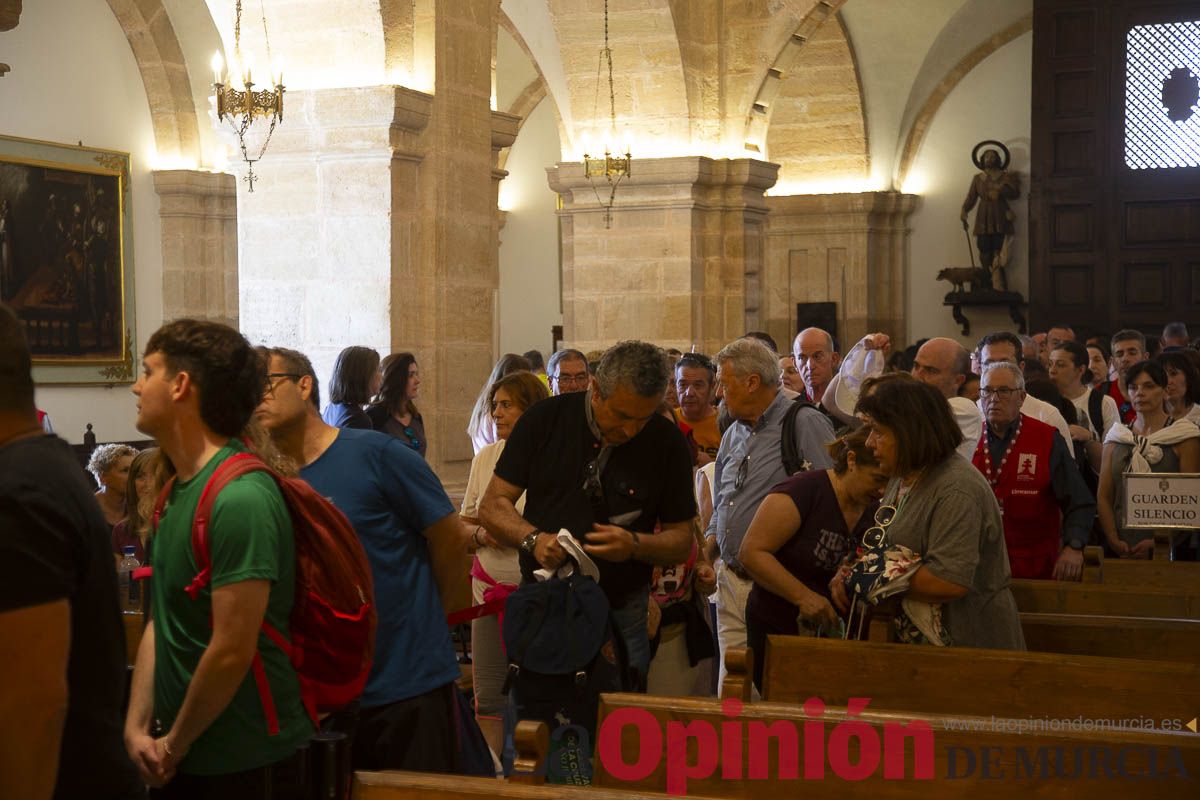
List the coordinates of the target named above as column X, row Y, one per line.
column 109, row 465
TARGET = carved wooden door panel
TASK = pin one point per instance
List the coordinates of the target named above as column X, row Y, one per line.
column 1115, row 194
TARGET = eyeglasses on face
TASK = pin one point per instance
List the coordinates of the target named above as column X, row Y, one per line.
column 1003, row 392
column 270, row 383
column 564, row 379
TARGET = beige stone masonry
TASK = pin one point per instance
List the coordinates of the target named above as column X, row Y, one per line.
column 851, row 249
column 198, row 213
column 680, row 265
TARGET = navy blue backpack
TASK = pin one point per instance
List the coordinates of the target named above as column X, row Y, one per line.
column 563, row 652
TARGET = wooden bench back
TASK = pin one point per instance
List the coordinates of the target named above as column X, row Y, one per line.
column 969, row 681
column 427, row 786
column 651, row 726
column 1179, row 576
column 133, row 634
column 1103, row 599
column 1120, row 637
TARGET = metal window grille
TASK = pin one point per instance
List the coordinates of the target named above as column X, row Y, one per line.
column 1162, row 118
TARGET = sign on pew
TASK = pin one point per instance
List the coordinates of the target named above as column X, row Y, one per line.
column 765, row 751
column 1165, row 500
column 1033, row 686
column 1101, row 599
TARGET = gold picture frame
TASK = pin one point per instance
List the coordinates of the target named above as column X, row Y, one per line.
column 66, row 258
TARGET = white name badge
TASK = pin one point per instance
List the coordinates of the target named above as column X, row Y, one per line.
column 1166, row 500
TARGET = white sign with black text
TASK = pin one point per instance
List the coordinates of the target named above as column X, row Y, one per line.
column 1168, row 500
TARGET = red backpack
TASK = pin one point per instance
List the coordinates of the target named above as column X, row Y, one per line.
column 333, row 615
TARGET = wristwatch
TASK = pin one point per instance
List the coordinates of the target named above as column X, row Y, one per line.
column 527, row 544
column 1075, row 544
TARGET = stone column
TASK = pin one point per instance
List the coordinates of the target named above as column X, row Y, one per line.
column 851, row 249
column 679, row 265
column 198, row 213
column 335, row 190
column 451, row 327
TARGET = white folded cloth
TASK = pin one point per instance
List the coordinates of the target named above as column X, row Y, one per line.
column 577, row 557
column 1147, row 450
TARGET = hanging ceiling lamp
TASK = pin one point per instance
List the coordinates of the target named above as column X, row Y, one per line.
column 238, row 102
column 611, row 168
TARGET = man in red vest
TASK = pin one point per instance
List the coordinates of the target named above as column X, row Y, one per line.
column 1128, row 348
column 1047, row 508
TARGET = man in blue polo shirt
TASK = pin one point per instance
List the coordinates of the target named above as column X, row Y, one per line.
column 412, row 538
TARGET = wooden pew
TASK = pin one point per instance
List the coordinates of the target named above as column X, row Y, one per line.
column 1040, row 685
column 133, row 635
column 1120, row 637
column 1023, row 763
column 1102, row 599
column 1143, row 638
column 1178, row 576
column 427, row 786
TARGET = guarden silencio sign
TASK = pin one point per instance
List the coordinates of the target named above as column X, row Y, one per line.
column 1162, row 500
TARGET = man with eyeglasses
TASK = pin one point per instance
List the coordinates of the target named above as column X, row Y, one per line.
column 1005, row 346
column 605, row 466
column 1046, row 507
column 411, row 535
column 696, row 416
column 749, row 464
column 567, row 372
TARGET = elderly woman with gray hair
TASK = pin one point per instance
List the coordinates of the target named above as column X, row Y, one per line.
column 109, row 465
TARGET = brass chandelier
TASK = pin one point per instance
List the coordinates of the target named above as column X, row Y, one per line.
column 613, row 168
column 242, row 106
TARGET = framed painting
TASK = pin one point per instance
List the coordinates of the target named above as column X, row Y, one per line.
column 66, row 258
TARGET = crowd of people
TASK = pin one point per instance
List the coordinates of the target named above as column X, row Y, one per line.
column 713, row 500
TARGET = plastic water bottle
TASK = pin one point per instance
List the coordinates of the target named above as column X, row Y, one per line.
column 131, row 591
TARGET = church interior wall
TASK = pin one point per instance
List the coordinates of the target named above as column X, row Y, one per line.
column 529, row 261
column 991, row 102
column 74, row 79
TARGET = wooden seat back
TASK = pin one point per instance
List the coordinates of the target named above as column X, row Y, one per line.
column 1120, row 637
column 970, row 681
column 1103, row 599
column 1178, row 576
column 427, row 786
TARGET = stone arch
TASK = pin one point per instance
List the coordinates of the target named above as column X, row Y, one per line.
column 649, row 86
column 758, row 118
column 164, row 73
column 533, row 93
column 929, row 109
column 818, row 131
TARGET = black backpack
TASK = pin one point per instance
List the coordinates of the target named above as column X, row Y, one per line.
column 563, row 651
column 793, row 459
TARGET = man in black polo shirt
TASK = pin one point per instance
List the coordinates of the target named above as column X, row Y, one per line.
column 604, row 465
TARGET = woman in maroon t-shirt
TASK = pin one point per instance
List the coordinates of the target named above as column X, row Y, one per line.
column 802, row 531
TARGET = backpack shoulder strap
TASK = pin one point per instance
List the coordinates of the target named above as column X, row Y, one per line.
column 790, row 454
column 1096, row 411
column 227, row 471
column 161, row 503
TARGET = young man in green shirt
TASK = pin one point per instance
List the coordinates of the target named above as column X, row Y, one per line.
column 200, row 384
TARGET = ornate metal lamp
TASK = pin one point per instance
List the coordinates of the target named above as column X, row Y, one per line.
column 612, row 168
column 242, row 106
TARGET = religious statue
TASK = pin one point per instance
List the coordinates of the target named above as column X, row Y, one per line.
column 992, row 188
